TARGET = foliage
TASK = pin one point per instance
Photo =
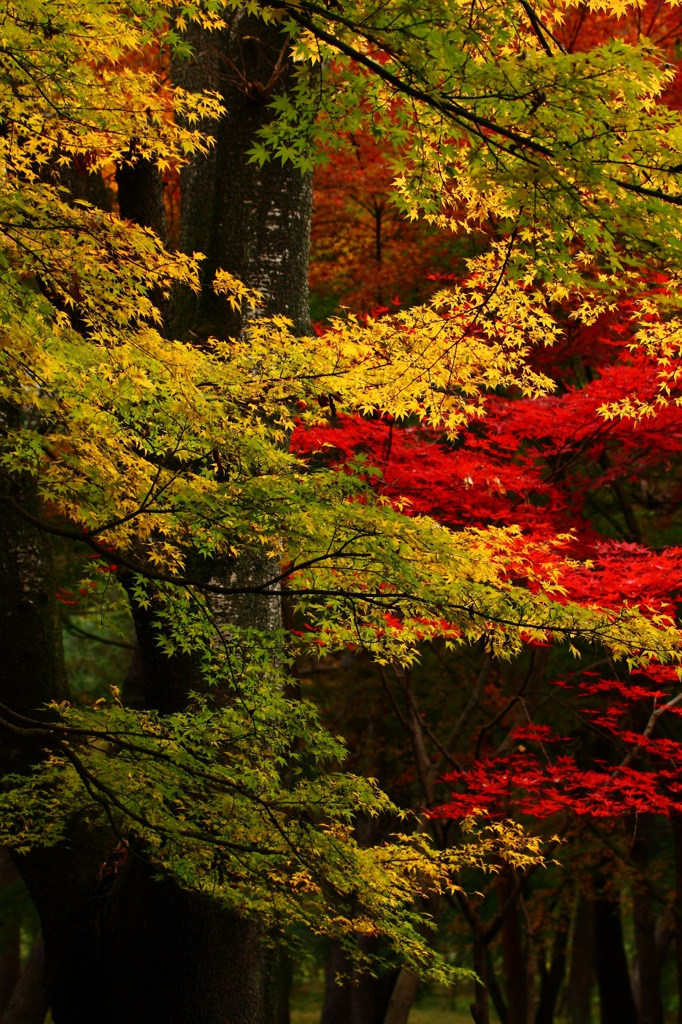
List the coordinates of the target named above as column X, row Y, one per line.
column 558, row 146
column 558, row 744
column 364, row 254
column 243, row 803
column 161, row 457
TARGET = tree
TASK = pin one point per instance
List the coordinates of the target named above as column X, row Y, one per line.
column 364, row 254
column 148, row 429
column 564, row 746
column 562, row 467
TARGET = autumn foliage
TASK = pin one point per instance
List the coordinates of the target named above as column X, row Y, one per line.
column 589, row 474
column 476, row 467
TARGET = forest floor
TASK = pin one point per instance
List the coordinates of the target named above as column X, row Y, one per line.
column 432, row 1007
column 419, row 1015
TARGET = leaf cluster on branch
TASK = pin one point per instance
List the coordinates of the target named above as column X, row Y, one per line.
column 160, row 456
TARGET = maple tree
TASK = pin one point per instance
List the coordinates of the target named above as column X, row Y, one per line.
column 554, row 465
column 550, row 465
column 148, row 398
column 364, row 254
column 560, row 745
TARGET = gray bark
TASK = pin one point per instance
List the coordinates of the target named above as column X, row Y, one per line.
column 402, row 998
column 251, row 221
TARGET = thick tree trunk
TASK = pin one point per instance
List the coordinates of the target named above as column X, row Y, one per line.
column 139, row 949
column 613, row 978
column 369, row 996
column 676, row 823
column 28, row 1004
column 514, row 965
column 496, row 995
column 353, row 998
column 140, row 195
column 120, row 945
column 552, row 976
column 31, row 674
column 251, row 221
column 10, row 964
column 336, row 1001
column 402, row 998
column 480, row 1008
column 32, row 664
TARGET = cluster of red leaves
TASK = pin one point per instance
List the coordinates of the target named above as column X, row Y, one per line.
column 539, row 464
column 534, row 463
column 594, row 745
column 549, row 774
column 522, row 783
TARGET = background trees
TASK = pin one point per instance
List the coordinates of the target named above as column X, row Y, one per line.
column 149, row 397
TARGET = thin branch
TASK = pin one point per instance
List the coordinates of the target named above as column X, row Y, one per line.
column 471, row 704
column 506, row 709
column 85, row 634
column 452, row 110
column 654, row 717
column 396, row 708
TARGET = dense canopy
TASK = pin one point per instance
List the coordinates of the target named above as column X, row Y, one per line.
column 151, row 464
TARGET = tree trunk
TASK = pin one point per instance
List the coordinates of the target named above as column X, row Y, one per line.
column 28, row 1004
column 32, row 665
column 480, row 1008
column 336, row 1001
column 551, row 977
column 350, row 997
column 251, row 221
column 31, row 674
column 613, row 978
column 514, row 965
column 140, row 195
column 496, row 995
column 402, row 998
column 140, row 949
column 369, row 996
column 578, row 1001
column 676, row 822
column 648, row 975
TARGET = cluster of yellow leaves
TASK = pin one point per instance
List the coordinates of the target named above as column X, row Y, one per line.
column 161, row 449
column 123, row 431
column 166, row 453
column 433, row 361
column 72, row 84
column 572, row 153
